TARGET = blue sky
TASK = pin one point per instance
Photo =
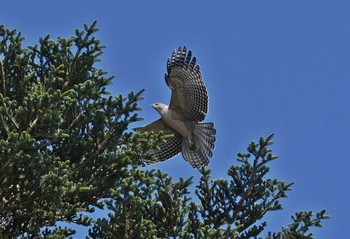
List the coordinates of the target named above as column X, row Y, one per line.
column 269, row 66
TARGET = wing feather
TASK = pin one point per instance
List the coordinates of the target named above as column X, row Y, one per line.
column 166, row 150
column 189, row 94
column 156, row 126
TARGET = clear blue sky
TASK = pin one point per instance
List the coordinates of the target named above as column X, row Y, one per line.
column 269, row 66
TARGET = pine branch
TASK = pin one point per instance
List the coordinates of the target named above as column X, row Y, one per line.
column 2, row 78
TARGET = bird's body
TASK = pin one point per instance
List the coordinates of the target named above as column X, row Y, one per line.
column 188, row 106
column 177, row 121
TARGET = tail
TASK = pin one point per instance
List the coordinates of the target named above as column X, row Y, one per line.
column 204, row 137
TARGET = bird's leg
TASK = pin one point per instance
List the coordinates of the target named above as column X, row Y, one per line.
column 190, row 139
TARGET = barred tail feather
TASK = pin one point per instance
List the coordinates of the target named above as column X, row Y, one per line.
column 193, row 156
column 204, row 135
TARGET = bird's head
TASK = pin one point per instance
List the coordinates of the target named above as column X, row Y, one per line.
column 161, row 108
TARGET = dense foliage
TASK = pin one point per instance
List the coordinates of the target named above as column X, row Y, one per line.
column 65, row 150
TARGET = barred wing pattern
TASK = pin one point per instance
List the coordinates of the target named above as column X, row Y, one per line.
column 167, row 150
column 189, row 94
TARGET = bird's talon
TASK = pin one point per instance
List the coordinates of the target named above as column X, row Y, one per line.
column 191, row 144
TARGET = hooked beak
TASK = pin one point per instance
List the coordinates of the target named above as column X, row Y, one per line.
column 153, row 106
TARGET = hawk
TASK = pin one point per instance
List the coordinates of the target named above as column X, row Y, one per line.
column 181, row 119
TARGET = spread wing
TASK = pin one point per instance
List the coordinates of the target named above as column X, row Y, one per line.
column 189, row 94
column 156, row 126
column 166, row 150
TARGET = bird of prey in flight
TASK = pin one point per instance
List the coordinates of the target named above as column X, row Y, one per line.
column 188, row 107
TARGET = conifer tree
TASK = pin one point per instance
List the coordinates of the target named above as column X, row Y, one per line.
column 65, row 150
